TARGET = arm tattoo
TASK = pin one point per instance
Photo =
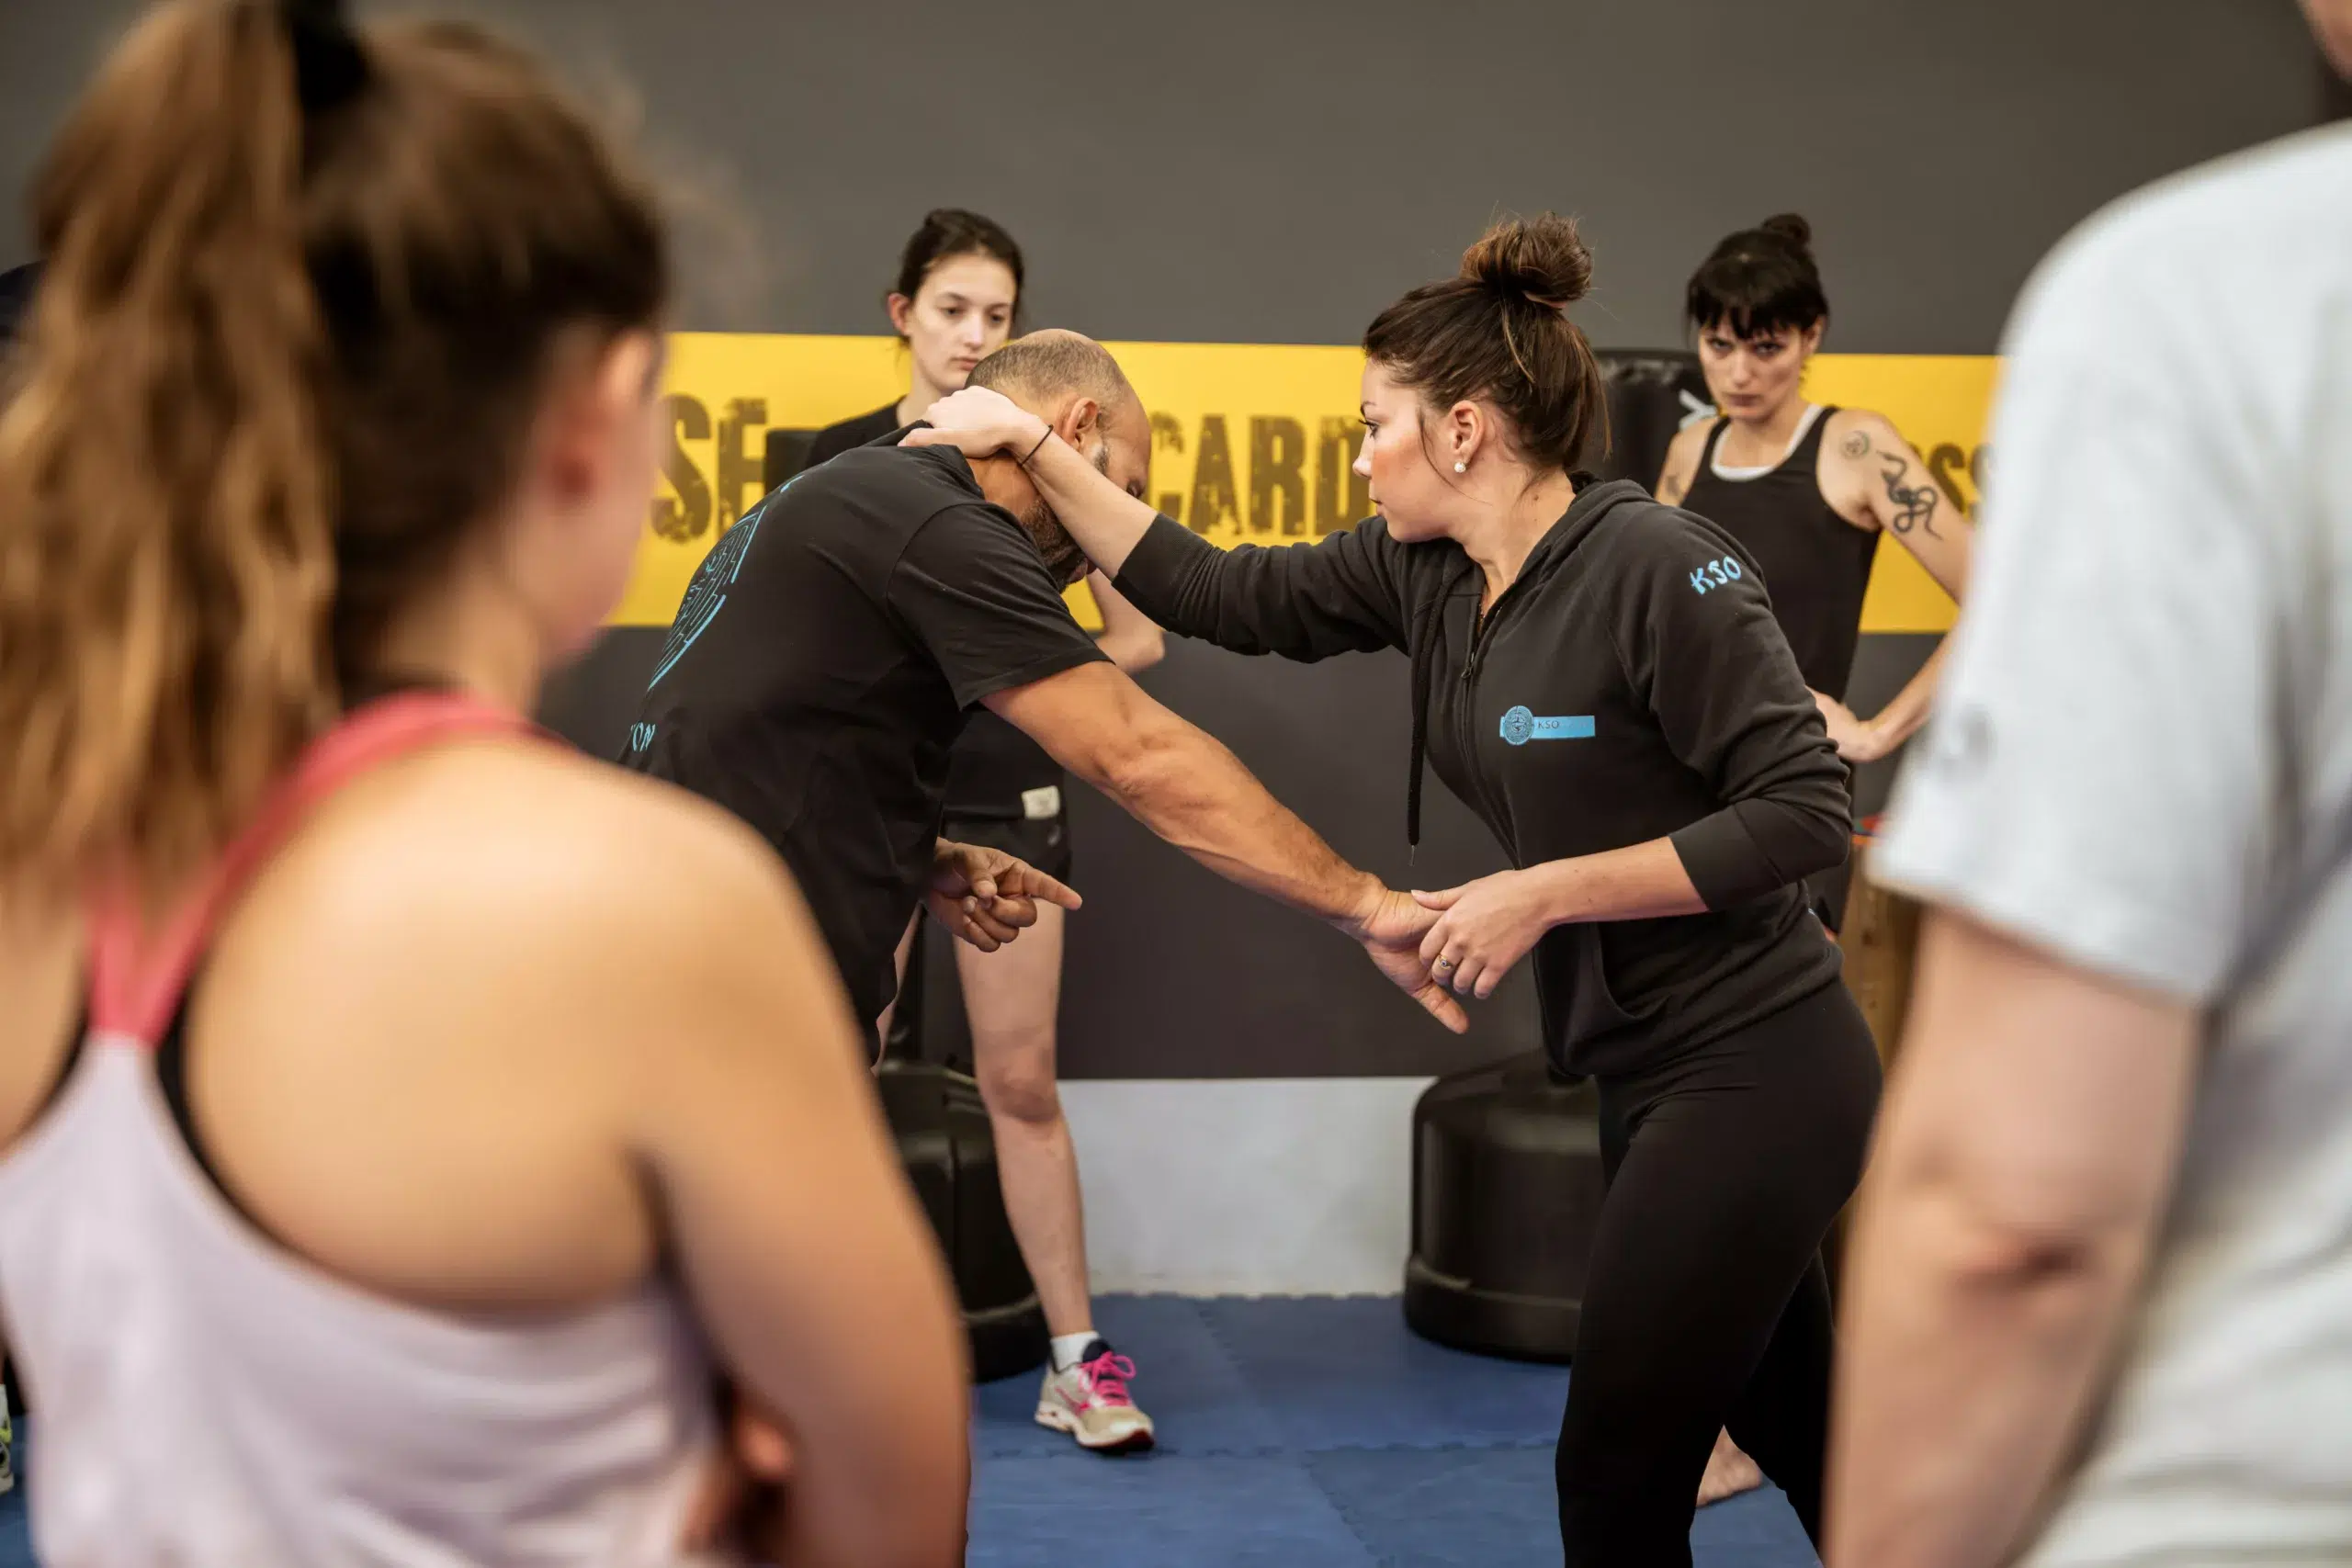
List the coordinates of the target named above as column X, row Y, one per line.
column 1913, row 503
column 1858, row 444
column 1669, row 489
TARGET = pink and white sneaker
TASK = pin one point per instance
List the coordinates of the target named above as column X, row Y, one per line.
column 1088, row 1399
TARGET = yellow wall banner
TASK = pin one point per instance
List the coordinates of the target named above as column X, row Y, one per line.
column 1250, row 442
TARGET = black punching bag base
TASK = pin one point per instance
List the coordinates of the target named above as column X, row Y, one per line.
column 950, row 1157
column 1507, row 1193
column 1458, row 1314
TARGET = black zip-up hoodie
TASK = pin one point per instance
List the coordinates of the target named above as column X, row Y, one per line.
column 1631, row 684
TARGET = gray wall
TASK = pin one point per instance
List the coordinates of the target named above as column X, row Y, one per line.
column 1263, row 171
column 1276, row 171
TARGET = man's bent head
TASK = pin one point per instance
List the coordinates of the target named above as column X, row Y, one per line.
column 1072, row 383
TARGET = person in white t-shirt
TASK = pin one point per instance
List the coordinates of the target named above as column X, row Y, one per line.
column 2100, row 1309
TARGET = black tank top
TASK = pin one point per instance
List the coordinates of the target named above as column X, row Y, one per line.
column 1815, row 564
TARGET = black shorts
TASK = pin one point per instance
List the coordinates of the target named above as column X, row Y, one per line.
column 1044, row 841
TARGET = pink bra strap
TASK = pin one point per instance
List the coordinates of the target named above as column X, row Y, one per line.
column 137, row 975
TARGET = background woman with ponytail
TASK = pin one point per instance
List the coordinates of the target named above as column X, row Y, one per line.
column 1807, row 489
column 400, row 1118
column 1597, row 677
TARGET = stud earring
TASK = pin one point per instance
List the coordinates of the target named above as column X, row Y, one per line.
column 1461, row 468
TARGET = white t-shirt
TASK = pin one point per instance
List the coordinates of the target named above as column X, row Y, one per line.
column 2144, row 745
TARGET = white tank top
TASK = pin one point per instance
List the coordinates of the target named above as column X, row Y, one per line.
column 205, row 1399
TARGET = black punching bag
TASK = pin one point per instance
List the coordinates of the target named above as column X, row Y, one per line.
column 950, row 1157
column 1507, row 1193
column 1652, row 393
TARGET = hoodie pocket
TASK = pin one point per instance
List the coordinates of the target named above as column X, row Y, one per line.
column 1581, row 1013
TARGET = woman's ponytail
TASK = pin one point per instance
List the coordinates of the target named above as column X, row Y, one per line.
column 303, row 293
column 166, row 560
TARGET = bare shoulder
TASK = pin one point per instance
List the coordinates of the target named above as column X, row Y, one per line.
column 1689, row 442
column 1864, row 461
column 41, row 971
column 533, row 863
column 546, row 818
column 1855, row 436
column 1682, row 461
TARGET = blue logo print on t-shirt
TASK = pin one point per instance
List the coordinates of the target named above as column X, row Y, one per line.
column 1521, row 726
column 707, row 593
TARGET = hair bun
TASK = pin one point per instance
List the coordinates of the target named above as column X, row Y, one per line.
column 1789, row 226
column 1542, row 260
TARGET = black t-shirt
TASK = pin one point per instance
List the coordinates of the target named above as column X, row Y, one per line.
column 862, row 430
column 995, row 769
column 824, row 663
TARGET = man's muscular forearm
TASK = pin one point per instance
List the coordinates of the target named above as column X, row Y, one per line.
column 1193, row 793
column 1184, row 787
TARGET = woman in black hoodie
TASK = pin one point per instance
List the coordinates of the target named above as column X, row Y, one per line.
column 1601, row 678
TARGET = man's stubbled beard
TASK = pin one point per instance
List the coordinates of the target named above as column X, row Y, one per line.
column 1063, row 557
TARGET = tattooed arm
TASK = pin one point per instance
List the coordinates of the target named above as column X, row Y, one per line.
column 1682, row 463
column 1872, row 477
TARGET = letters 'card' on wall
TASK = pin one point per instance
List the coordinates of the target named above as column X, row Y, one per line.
column 1252, row 442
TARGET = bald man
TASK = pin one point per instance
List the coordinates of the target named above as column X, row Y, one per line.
column 828, row 653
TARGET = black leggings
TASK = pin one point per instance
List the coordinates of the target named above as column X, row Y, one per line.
column 1706, row 1305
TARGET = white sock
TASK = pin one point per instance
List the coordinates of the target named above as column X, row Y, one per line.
column 1068, row 1347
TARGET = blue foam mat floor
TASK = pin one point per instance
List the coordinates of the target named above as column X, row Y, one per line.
column 1307, row 1433
column 1294, row 1433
